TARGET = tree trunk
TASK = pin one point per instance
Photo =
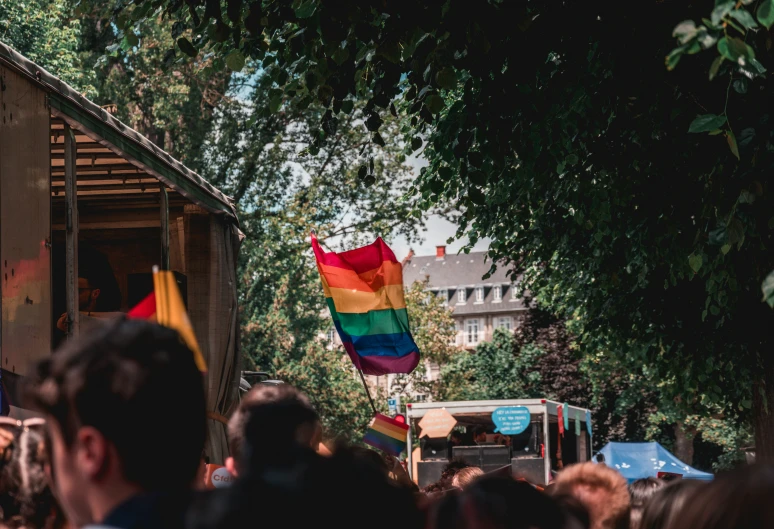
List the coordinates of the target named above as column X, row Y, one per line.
column 763, row 411
column 684, row 438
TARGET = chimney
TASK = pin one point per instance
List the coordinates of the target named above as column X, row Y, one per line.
column 407, row 259
column 440, row 252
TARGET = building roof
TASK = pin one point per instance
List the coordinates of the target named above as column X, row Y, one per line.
column 454, row 272
column 95, row 122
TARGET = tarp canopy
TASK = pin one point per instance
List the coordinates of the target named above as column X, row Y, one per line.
column 643, row 460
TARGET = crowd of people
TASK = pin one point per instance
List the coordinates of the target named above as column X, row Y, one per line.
column 121, row 437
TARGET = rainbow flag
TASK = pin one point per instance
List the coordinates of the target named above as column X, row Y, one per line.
column 364, row 292
column 387, row 435
column 165, row 306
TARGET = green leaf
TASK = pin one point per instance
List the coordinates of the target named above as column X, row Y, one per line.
column 735, row 50
column 377, row 139
column 685, row 31
column 434, row 103
column 744, row 18
column 275, row 103
column 746, row 197
column 347, row 106
column 706, row 123
column 765, row 13
column 768, row 290
column 306, row 9
column 715, row 66
column 446, row 78
column 674, row 57
column 695, row 262
column 235, row 61
column 732, row 143
column 720, row 11
column 186, row 47
column 725, row 248
column 132, row 39
column 477, row 196
column 416, row 143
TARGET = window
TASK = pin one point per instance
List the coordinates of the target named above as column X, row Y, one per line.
column 497, row 294
column 332, row 335
column 514, row 293
column 461, row 295
column 472, row 332
column 479, row 294
column 505, row 322
column 420, row 398
column 444, row 295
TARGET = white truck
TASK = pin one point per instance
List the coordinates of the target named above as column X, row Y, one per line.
column 537, row 450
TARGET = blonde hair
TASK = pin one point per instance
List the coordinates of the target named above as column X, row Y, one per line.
column 466, row 476
column 602, row 490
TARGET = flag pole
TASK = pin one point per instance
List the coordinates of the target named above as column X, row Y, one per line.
column 367, row 392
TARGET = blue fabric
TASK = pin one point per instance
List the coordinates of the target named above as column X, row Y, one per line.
column 643, row 460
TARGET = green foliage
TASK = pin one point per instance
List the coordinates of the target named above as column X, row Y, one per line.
column 42, row 31
column 493, row 371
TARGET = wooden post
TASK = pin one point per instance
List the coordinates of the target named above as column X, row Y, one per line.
column 164, row 227
column 71, row 232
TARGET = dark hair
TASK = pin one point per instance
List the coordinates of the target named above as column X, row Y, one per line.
column 263, row 395
column 95, row 267
column 341, row 490
column 478, row 430
column 370, row 457
column 498, row 503
column 137, row 384
column 666, row 504
column 28, row 500
column 640, row 492
column 741, row 499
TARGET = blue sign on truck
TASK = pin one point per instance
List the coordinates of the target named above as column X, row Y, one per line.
column 511, row 420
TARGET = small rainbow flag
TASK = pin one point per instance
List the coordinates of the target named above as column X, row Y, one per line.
column 387, row 435
column 165, row 306
column 364, row 292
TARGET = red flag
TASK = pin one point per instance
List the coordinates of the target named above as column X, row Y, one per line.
column 560, row 419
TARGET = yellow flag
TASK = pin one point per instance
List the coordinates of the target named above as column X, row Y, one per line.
column 170, row 312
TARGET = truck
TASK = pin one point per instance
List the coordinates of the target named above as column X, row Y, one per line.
column 534, row 454
column 73, row 176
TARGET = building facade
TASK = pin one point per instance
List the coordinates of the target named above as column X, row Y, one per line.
column 479, row 306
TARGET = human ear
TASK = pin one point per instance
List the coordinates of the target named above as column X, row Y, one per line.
column 91, row 452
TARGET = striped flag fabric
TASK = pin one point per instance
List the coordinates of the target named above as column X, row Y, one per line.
column 364, row 292
column 387, row 434
column 165, row 306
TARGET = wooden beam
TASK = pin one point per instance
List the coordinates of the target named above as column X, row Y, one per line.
column 164, row 227
column 71, row 234
column 105, row 155
column 59, row 146
column 100, row 169
column 112, row 225
column 87, row 181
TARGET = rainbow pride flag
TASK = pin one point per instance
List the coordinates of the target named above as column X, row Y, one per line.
column 364, row 292
column 387, row 435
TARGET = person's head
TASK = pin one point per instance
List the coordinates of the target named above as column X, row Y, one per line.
column 278, row 406
column 667, row 502
column 601, row 490
column 640, row 492
column 466, row 476
column 455, row 438
column 97, row 286
column 27, row 497
column 125, row 410
column 479, row 434
column 741, row 499
column 498, row 503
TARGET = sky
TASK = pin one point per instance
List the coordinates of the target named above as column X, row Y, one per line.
column 437, row 231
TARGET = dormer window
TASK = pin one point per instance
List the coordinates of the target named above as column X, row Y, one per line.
column 479, row 294
column 514, row 292
column 444, row 295
column 461, row 295
column 497, row 293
